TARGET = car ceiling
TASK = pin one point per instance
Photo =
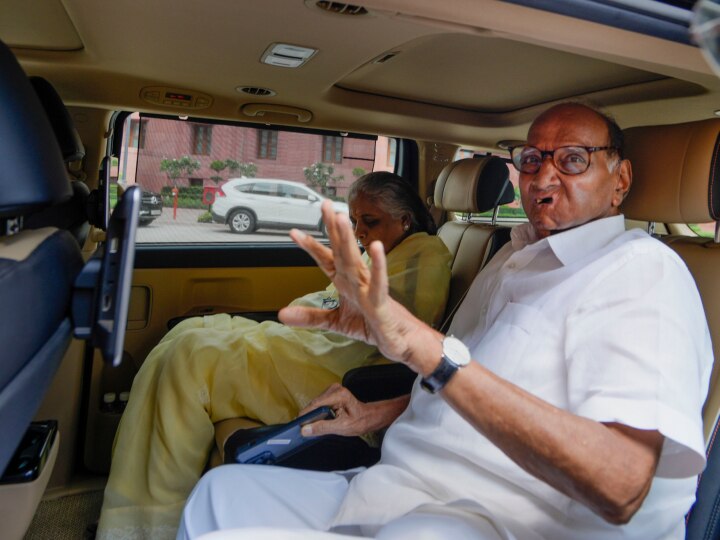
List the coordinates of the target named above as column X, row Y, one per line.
column 469, row 72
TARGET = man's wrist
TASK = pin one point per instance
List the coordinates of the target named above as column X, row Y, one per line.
column 454, row 356
column 427, row 354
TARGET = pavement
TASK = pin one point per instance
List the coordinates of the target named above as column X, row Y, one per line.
column 186, row 229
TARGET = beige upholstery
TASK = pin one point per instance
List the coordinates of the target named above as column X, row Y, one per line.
column 471, row 186
column 674, row 169
column 674, row 181
column 19, row 501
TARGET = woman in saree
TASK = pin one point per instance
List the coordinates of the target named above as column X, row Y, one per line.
column 208, row 369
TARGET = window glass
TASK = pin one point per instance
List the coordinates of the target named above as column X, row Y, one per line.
column 209, row 182
column 201, row 139
column 706, row 230
column 267, row 144
column 332, row 149
column 245, row 188
column 508, row 213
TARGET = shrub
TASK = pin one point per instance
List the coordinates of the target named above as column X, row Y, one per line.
column 205, row 217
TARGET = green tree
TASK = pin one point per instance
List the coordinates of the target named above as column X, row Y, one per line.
column 218, row 166
column 175, row 168
column 248, row 170
column 319, row 175
column 357, row 172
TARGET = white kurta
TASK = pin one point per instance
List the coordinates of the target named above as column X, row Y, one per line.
column 604, row 323
column 597, row 321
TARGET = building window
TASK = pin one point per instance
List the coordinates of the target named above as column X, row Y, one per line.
column 267, row 144
column 195, row 182
column 138, row 129
column 201, row 140
column 332, row 150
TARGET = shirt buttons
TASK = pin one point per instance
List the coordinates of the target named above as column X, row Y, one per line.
column 512, row 266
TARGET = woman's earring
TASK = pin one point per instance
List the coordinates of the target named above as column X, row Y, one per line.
column 406, row 227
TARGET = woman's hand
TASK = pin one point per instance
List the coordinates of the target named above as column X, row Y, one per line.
column 366, row 312
column 352, row 417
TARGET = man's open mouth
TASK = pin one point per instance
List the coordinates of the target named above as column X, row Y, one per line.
column 544, row 200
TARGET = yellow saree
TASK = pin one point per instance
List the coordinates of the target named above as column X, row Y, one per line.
column 208, row 369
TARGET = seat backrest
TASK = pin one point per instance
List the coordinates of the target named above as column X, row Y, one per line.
column 471, row 186
column 37, row 267
column 676, row 179
column 70, row 214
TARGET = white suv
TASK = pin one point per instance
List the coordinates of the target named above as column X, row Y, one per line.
column 251, row 203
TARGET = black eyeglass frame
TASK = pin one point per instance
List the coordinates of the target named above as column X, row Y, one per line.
column 589, row 149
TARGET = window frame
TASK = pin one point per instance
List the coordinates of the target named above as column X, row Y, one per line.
column 332, row 149
column 267, row 144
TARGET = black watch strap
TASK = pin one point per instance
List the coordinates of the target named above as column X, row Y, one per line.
column 437, row 380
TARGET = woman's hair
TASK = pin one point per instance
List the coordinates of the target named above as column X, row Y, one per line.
column 396, row 197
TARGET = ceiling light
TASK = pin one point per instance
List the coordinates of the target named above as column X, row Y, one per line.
column 286, row 55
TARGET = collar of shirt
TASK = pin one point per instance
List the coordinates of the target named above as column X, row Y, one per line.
column 573, row 244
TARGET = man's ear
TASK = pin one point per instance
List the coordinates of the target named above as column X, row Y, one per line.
column 622, row 183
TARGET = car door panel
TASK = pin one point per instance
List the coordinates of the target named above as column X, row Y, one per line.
column 171, row 282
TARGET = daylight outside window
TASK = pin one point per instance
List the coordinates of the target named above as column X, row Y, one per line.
column 205, row 182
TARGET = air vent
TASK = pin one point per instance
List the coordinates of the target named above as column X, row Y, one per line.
column 340, row 8
column 256, row 91
column 384, row 58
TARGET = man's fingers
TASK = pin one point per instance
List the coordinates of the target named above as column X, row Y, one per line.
column 330, row 397
column 346, row 249
column 322, row 427
column 378, row 273
column 322, row 255
column 329, row 217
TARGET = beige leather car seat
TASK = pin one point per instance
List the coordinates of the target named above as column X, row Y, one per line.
column 676, row 179
column 471, row 186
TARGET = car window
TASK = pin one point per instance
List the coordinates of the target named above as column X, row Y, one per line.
column 705, row 230
column 263, row 188
column 293, row 192
column 210, row 182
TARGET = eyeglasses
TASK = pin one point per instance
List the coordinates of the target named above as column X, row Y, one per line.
column 567, row 159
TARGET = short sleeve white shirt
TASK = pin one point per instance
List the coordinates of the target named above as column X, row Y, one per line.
column 601, row 322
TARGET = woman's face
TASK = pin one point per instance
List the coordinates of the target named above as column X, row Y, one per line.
column 370, row 223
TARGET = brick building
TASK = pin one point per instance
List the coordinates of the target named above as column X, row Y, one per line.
column 276, row 154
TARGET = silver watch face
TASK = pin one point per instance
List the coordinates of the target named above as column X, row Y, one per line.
column 456, row 351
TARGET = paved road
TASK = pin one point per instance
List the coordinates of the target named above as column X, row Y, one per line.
column 185, row 228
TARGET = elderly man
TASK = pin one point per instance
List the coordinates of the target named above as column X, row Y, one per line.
column 566, row 405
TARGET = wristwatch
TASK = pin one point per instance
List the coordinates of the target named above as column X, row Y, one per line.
column 455, row 355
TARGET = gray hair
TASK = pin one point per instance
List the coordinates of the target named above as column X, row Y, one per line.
column 396, row 197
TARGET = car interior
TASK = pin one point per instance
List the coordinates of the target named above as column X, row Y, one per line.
column 107, row 104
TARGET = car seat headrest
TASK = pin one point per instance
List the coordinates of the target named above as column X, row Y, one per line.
column 32, row 174
column 474, row 185
column 67, row 136
column 676, row 172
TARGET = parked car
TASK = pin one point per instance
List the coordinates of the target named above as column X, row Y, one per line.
column 150, row 207
column 252, row 203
